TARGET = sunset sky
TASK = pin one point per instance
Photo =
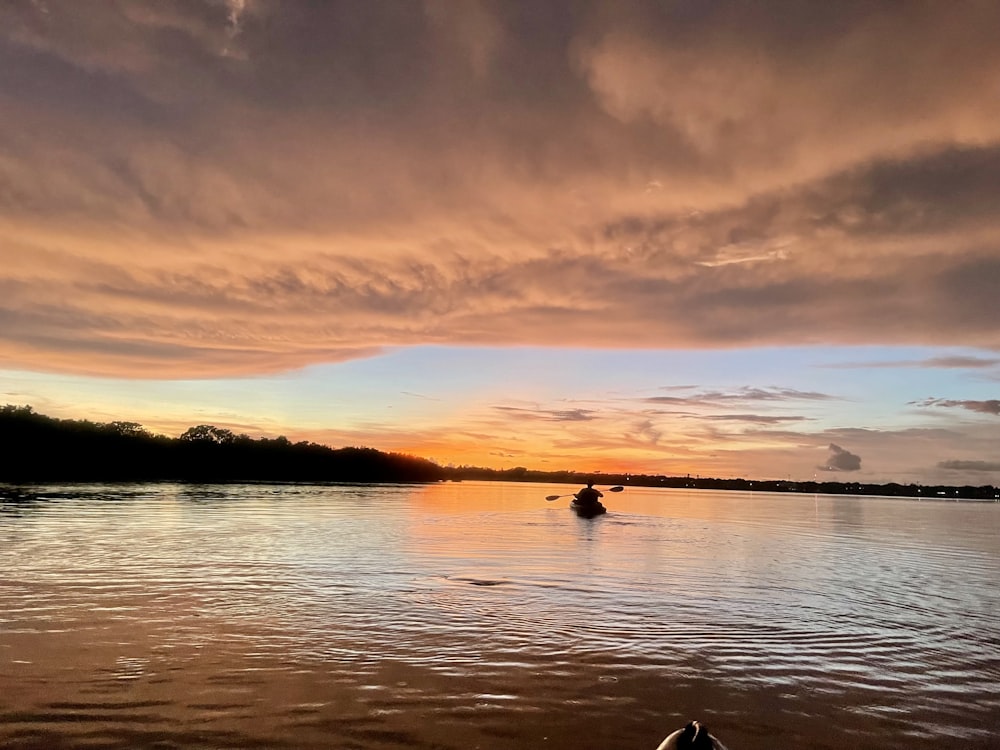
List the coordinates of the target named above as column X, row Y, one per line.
column 754, row 239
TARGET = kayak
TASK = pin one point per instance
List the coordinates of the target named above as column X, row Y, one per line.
column 694, row 736
column 588, row 510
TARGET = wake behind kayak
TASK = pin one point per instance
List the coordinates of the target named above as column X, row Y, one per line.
column 588, row 510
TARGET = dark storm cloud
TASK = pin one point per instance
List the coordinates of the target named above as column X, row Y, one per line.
column 841, row 460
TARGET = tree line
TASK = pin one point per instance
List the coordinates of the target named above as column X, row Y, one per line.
column 38, row 448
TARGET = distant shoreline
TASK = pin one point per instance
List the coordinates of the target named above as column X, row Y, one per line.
column 891, row 489
column 937, row 493
column 35, row 448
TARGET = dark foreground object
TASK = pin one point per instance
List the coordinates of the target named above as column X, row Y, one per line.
column 694, row 736
column 588, row 510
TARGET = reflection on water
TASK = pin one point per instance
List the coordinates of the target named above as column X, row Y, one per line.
column 478, row 615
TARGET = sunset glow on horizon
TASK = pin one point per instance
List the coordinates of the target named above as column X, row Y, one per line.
column 680, row 237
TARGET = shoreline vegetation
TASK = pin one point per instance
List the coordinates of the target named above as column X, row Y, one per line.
column 37, row 448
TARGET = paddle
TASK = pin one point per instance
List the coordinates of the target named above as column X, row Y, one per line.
column 550, row 498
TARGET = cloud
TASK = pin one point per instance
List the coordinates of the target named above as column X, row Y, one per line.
column 645, row 432
column 236, row 10
column 745, row 394
column 548, row 415
column 970, row 465
column 730, row 256
column 952, row 362
column 740, row 89
column 991, row 406
column 761, row 419
column 961, row 362
column 419, row 395
column 249, row 186
column 841, row 460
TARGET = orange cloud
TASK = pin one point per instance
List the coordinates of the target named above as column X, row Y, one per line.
column 251, row 187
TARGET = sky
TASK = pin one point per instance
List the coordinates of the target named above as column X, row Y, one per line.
column 700, row 237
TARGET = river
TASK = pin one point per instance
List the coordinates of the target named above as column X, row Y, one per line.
column 479, row 615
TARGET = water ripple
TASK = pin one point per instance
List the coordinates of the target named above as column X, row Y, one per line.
column 477, row 615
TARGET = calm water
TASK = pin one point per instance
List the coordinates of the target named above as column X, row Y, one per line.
column 481, row 616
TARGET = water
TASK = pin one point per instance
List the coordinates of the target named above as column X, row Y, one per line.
column 478, row 615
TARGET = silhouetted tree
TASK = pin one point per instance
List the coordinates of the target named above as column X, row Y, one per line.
column 34, row 447
column 206, row 433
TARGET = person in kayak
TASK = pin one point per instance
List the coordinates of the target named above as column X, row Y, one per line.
column 588, row 495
